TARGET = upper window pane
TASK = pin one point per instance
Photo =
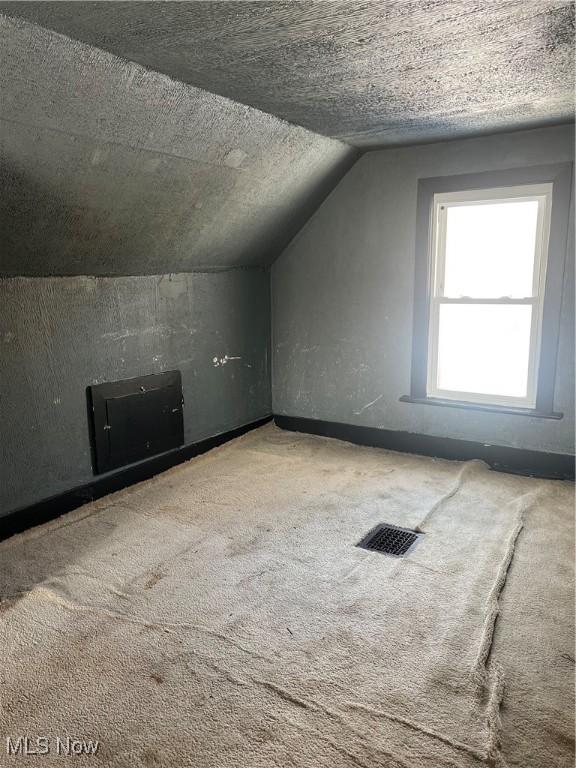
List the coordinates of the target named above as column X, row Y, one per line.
column 490, row 249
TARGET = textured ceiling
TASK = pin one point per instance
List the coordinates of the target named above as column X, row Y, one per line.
column 108, row 168
column 376, row 72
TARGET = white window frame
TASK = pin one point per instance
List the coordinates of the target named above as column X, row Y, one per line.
column 542, row 194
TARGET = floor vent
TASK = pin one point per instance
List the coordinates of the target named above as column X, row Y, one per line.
column 390, row 540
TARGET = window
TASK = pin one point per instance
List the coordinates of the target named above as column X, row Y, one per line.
column 489, row 271
column 488, row 265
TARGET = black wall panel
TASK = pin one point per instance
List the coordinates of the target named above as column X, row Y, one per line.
column 136, row 418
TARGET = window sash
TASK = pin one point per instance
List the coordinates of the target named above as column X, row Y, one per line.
column 441, row 202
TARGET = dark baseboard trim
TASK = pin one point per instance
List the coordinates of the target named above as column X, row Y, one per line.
column 48, row 509
column 554, row 466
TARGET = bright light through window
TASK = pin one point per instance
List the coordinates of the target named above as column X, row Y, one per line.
column 484, row 349
column 490, row 250
column 488, row 264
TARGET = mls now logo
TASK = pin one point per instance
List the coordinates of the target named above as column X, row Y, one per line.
column 41, row 745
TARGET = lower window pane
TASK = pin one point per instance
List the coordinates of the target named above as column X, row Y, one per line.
column 484, row 348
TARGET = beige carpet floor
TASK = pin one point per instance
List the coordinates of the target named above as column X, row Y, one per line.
column 220, row 615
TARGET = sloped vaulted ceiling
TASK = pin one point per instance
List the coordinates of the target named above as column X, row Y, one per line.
column 371, row 72
column 107, row 168
column 110, row 168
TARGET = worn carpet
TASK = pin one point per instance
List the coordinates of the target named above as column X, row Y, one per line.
column 220, row 615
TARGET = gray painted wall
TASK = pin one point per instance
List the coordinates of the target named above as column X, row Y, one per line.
column 58, row 335
column 342, row 299
column 107, row 168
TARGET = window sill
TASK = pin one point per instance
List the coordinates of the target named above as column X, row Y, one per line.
column 481, row 407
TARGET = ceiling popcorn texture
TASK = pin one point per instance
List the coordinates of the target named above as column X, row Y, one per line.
column 370, row 72
column 107, row 168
